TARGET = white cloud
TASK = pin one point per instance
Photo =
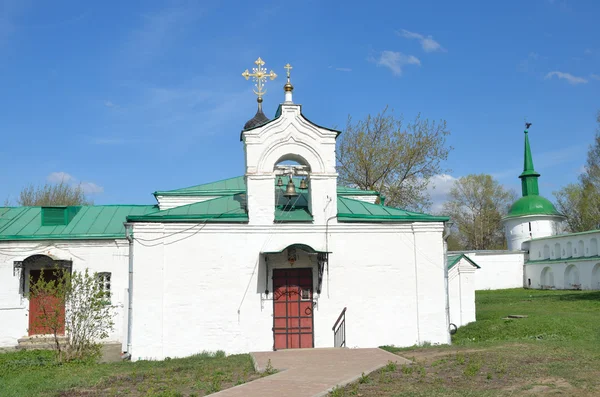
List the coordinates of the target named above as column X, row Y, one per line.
column 343, row 69
column 109, row 104
column 63, row 177
column 427, row 42
column 59, row 177
column 588, row 51
column 595, row 76
column 91, row 188
column 438, row 189
column 395, row 61
column 567, row 76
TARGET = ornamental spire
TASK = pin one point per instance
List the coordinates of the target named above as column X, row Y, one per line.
column 288, row 87
column 529, row 177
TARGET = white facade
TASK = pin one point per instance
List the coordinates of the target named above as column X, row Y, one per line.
column 461, row 292
column 97, row 256
column 206, row 292
column 524, row 228
column 498, row 269
column 569, row 261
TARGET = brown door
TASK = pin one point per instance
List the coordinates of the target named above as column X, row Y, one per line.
column 292, row 308
column 51, row 305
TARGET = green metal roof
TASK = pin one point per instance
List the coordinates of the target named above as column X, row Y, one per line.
column 594, row 258
column 454, row 259
column 238, row 185
column 89, row 223
column 532, row 205
column 350, row 210
column 222, row 209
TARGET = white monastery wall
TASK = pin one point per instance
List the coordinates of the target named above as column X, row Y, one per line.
column 569, row 261
column 461, row 292
column 499, row 269
column 168, row 202
column 98, row 256
column 393, row 291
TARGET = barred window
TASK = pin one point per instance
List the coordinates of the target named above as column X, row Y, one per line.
column 104, row 283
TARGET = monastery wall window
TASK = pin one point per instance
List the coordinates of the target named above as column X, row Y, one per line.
column 593, row 247
column 557, row 250
column 569, row 252
column 103, row 280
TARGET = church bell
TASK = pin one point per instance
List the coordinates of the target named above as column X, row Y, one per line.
column 303, row 184
column 279, row 182
column 290, row 190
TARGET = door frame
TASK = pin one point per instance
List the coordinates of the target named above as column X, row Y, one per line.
column 312, row 305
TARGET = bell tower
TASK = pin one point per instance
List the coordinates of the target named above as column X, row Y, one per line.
column 290, row 162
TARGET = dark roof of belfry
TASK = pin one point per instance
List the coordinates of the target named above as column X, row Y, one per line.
column 258, row 119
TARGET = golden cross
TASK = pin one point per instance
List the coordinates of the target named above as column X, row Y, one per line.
column 259, row 76
column 288, row 67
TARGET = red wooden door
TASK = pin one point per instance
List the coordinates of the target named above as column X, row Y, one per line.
column 52, row 305
column 292, row 308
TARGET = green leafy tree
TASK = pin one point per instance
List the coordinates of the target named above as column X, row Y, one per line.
column 580, row 202
column 52, row 194
column 383, row 153
column 76, row 304
column 476, row 205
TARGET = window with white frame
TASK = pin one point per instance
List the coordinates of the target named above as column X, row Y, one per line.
column 103, row 280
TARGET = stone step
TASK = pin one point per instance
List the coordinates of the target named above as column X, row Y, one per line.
column 41, row 342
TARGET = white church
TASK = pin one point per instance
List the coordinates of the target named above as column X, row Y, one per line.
column 280, row 257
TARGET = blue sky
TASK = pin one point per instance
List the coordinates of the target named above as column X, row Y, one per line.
column 132, row 97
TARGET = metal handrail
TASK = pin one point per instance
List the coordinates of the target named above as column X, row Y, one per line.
column 339, row 318
column 339, row 330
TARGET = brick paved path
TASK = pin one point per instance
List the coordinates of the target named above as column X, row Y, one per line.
column 311, row 372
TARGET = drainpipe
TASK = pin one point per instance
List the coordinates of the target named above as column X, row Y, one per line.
column 447, row 227
column 412, row 226
column 129, row 236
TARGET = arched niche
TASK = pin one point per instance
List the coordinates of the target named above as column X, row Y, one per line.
column 596, row 277
column 547, row 278
column 572, row 277
column 569, row 250
column 291, row 150
column 557, row 250
column 593, row 247
column 580, row 248
column 294, row 166
column 546, row 252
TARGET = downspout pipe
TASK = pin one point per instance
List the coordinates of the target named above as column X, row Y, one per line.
column 447, row 227
column 129, row 236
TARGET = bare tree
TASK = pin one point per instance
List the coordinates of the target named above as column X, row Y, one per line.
column 52, row 194
column 382, row 153
column 476, row 205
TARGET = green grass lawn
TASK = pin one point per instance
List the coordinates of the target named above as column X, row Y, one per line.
column 35, row 373
column 554, row 351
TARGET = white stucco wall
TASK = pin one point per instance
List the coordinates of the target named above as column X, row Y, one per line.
column 168, row 202
column 461, row 293
column 568, row 261
column 499, row 269
column 98, row 256
column 520, row 229
column 204, row 290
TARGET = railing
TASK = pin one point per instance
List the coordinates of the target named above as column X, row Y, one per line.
column 339, row 330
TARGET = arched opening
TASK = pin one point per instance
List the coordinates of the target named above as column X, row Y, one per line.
column 569, row 250
column 292, row 189
column 556, row 250
column 546, row 252
column 572, row 277
column 547, row 278
column 596, row 277
column 39, row 270
column 580, row 248
column 593, row 247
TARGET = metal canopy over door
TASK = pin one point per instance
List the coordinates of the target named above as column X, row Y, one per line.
column 48, row 303
column 293, row 308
